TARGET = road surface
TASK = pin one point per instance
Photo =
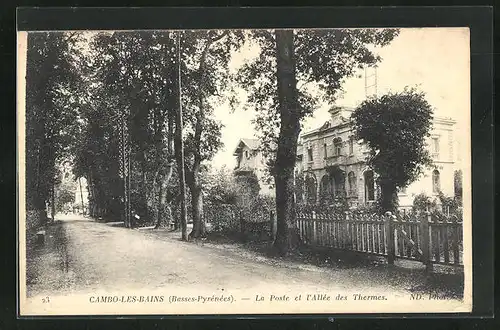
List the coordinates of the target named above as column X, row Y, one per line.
column 83, row 256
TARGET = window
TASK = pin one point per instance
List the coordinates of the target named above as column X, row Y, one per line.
column 435, row 146
column 309, row 154
column 369, row 186
column 436, row 185
column 338, row 148
column 351, row 181
column 325, row 150
column 351, row 145
column 247, row 155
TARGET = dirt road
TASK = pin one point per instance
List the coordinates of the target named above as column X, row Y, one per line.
column 82, row 256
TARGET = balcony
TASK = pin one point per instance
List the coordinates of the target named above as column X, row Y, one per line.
column 335, row 160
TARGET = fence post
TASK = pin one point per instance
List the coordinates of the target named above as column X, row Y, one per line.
column 424, row 228
column 273, row 223
column 345, row 234
column 389, row 225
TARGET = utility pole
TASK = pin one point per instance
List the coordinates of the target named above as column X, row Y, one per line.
column 180, row 145
column 125, row 170
column 129, row 174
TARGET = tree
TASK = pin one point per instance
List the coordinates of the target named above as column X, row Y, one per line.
column 131, row 87
column 293, row 71
column 395, row 128
column 52, row 84
column 206, row 56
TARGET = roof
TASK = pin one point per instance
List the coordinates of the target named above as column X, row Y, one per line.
column 252, row 144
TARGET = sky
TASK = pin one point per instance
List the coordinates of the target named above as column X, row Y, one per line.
column 434, row 60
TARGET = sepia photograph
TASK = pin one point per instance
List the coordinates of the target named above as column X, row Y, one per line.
column 244, row 171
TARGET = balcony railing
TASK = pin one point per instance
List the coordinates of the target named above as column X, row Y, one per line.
column 335, row 160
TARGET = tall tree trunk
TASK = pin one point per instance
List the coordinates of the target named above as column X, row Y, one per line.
column 179, row 146
column 199, row 228
column 159, row 213
column 388, row 199
column 81, row 194
column 91, row 193
column 144, row 186
column 286, row 235
column 94, row 195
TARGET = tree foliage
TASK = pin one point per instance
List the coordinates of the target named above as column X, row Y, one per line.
column 205, row 83
column 395, row 128
column 324, row 60
column 131, row 85
column 294, row 70
column 52, row 104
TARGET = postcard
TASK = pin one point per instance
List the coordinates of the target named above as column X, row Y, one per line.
column 198, row 172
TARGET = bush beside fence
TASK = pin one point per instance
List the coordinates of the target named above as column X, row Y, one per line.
column 249, row 223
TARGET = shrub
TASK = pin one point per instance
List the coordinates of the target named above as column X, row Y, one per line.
column 223, row 217
column 422, row 202
column 450, row 205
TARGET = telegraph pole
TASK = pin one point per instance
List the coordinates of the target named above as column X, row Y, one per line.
column 129, row 174
column 125, row 169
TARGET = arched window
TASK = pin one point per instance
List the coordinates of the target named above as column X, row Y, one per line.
column 436, row 185
column 369, row 186
column 351, row 181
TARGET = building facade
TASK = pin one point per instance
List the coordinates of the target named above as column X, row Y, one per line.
column 332, row 164
column 249, row 159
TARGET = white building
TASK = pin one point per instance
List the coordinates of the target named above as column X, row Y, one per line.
column 332, row 164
